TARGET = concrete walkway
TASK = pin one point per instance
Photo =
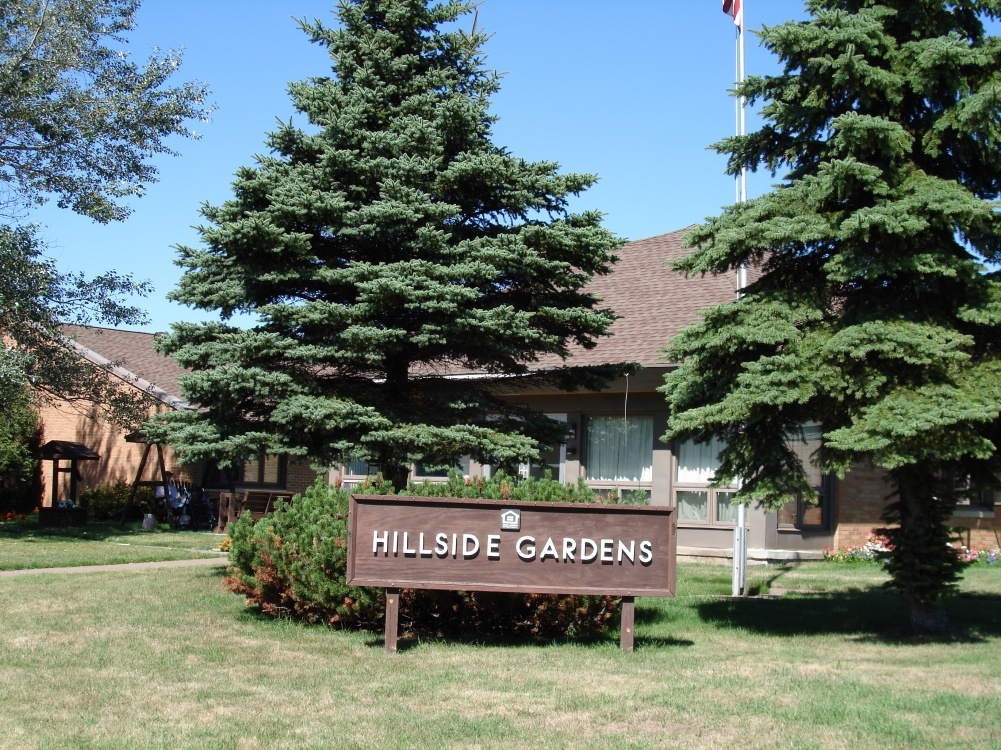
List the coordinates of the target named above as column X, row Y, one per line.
column 202, row 561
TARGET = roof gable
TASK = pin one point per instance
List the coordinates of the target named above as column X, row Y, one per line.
column 653, row 302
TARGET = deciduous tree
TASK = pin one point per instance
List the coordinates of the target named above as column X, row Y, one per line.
column 79, row 122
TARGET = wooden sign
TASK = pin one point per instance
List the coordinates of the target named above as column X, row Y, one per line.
column 501, row 545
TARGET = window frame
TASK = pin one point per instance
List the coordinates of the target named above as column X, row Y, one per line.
column 712, row 496
column 825, row 491
column 259, row 482
column 825, row 504
column 601, row 487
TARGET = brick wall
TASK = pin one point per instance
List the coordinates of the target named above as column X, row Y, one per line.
column 299, row 475
column 79, row 422
column 980, row 532
column 862, row 496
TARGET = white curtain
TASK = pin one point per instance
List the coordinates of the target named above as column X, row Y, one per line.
column 804, row 443
column 356, row 467
column 620, row 450
column 698, row 462
column 726, row 510
column 693, row 505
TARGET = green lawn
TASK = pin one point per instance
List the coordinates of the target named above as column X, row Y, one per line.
column 23, row 544
column 168, row 659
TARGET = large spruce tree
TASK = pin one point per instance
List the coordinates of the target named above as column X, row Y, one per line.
column 876, row 312
column 402, row 267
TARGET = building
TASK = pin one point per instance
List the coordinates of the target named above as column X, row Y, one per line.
column 614, row 435
column 131, row 358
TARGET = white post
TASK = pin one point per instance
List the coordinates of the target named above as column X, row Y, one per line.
column 739, row 583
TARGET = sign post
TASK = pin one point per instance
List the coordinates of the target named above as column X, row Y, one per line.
column 398, row 542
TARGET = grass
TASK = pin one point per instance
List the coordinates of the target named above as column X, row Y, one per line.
column 168, row 659
column 23, row 544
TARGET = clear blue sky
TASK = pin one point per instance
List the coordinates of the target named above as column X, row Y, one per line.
column 631, row 90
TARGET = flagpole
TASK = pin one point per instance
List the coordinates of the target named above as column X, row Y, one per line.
column 741, row 130
column 739, row 582
column 738, row 105
column 743, row 101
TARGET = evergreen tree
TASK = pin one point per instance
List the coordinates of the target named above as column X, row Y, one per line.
column 875, row 313
column 382, row 248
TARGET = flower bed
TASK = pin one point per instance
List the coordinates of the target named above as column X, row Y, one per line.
column 874, row 551
column 877, row 547
column 979, row 555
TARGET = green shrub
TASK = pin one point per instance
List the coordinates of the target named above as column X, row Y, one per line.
column 105, row 502
column 293, row 563
column 20, row 487
column 503, row 487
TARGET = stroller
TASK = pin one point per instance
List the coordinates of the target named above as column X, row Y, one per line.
column 176, row 506
column 186, row 506
column 180, row 506
column 191, row 506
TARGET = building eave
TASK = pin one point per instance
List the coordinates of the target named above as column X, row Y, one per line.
column 168, row 399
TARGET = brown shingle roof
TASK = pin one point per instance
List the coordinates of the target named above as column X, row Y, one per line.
column 653, row 302
column 132, row 350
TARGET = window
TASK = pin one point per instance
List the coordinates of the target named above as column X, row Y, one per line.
column 266, row 470
column 697, row 502
column 969, row 492
column 619, row 457
column 800, row 513
column 554, row 460
column 355, row 468
column 974, row 499
column 620, row 450
column 426, row 472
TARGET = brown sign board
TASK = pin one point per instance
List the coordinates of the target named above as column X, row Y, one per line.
column 502, row 545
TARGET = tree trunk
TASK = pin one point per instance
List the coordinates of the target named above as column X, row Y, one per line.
column 922, row 564
column 930, row 620
column 397, row 474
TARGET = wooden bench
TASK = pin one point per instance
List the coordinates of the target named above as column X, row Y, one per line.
column 258, row 502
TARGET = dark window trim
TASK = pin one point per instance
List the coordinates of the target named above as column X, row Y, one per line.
column 259, row 481
column 826, row 505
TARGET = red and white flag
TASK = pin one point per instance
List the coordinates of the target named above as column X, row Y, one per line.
column 734, row 8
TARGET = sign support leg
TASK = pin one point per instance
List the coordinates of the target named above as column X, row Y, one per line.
column 392, row 618
column 626, row 628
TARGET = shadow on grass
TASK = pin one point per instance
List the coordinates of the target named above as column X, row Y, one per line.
column 209, row 573
column 870, row 613
column 408, row 642
column 650, row 615
column 94, row 531
column 411, row 640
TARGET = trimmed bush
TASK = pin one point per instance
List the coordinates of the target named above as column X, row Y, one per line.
column 293, row 563
column 105, row 501
column 502, row 487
